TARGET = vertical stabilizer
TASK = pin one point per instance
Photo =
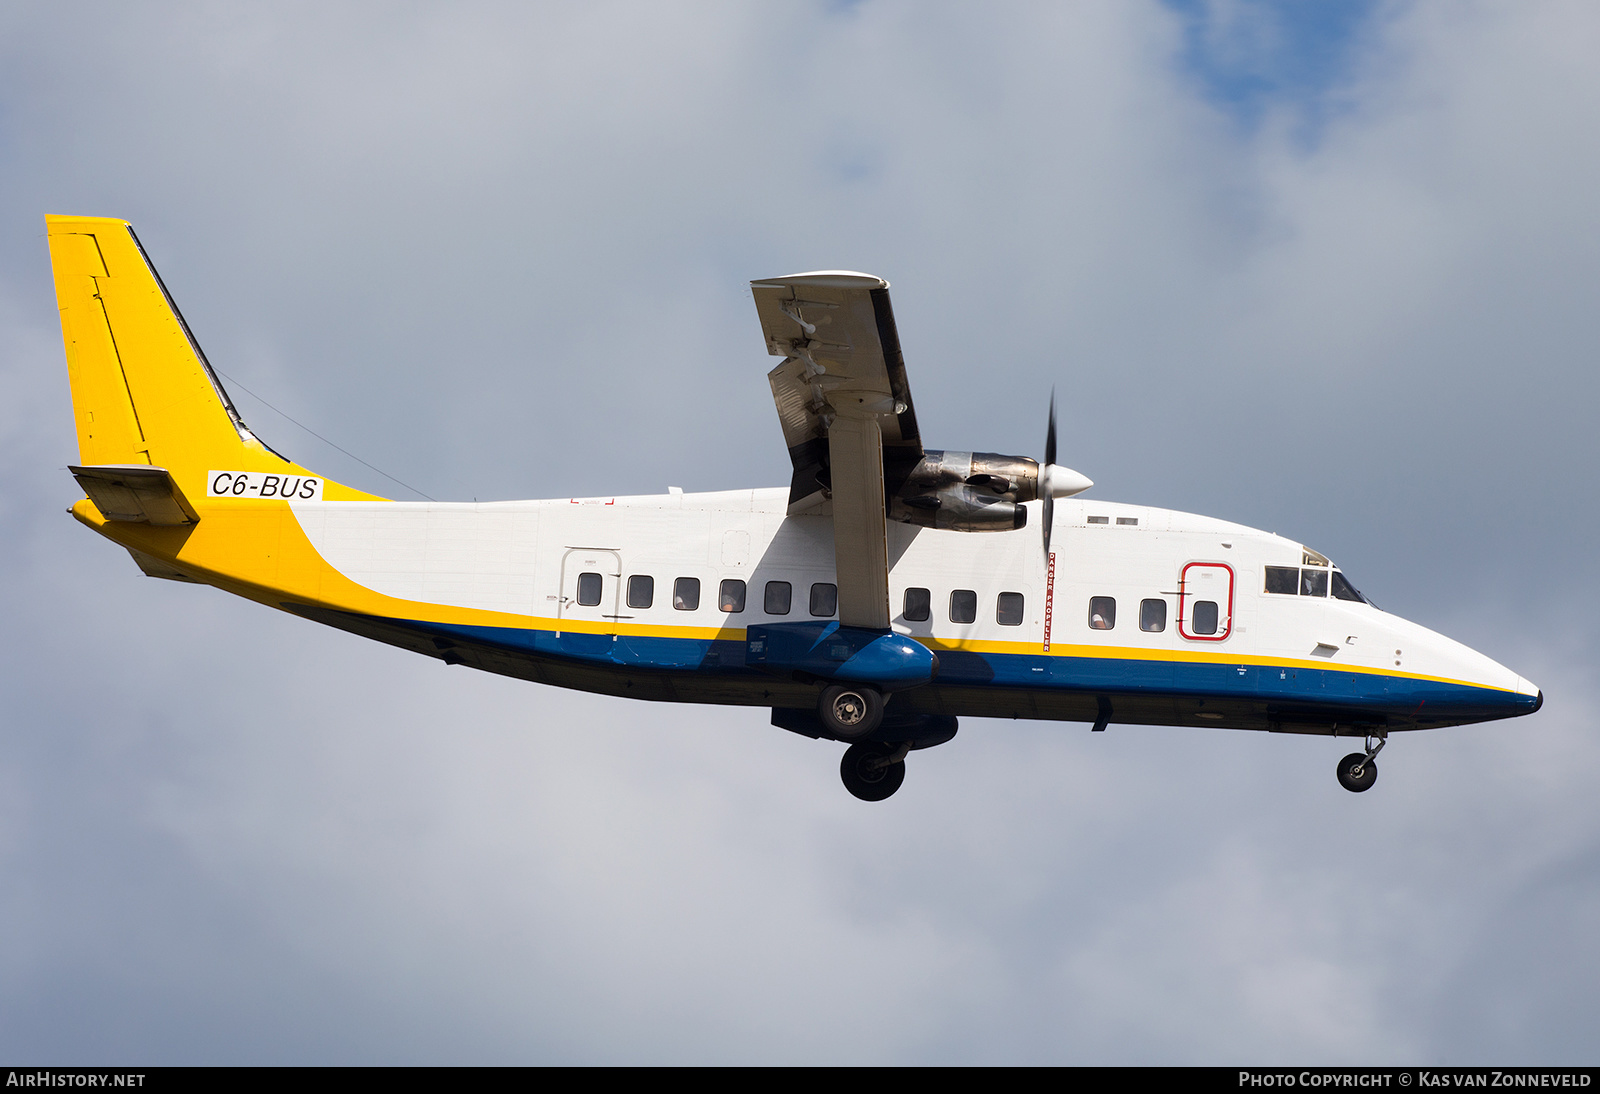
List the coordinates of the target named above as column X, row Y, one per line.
column 142, row 391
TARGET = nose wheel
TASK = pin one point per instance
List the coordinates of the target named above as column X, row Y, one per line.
column 1359, row 770
column 872, row 770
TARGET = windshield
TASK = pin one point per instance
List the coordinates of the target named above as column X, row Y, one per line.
column 1343, row 590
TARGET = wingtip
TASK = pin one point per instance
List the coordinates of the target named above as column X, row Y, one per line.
column 827, row 279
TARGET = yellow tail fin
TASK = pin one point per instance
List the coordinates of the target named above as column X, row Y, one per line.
column 142, row 391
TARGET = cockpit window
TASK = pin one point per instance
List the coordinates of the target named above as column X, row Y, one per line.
column 1346, row 591
column 1313, row 582
column 1284, row 580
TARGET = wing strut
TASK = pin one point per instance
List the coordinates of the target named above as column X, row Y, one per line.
column 860, row 526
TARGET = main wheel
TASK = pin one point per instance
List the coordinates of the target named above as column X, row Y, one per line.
column 1357, row 773
column 864, row 777
column 849, row 711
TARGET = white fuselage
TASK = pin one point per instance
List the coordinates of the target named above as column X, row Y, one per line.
column 527, row 559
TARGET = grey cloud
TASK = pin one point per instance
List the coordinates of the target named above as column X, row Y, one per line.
column 502, row 252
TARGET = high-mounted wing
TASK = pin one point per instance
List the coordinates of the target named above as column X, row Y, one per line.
column 846, row 412
column 835, row 331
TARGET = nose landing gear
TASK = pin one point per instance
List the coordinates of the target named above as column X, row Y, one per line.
column 1359, row 770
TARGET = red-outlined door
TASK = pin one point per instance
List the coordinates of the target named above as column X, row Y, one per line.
column 1205, row 601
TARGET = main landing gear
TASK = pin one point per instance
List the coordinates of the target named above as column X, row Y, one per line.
column 874, row 765
column 1359, row 770
column 848, row 711
column 873, row 770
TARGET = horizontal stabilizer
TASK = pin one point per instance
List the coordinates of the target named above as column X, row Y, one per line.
column 154, row 567
column 135, row 493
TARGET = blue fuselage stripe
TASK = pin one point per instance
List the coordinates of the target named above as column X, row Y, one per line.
column 1293, row 685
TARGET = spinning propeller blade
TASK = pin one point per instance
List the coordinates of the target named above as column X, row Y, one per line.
column 1047, row 494
column 1055, row 481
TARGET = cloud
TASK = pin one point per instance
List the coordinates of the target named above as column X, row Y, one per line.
column 502, row 252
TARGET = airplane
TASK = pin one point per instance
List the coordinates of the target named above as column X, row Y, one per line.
column 889, row 590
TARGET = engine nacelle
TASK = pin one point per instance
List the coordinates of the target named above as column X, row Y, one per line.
column 967, row 491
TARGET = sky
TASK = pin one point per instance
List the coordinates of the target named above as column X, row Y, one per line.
column 1330, row 275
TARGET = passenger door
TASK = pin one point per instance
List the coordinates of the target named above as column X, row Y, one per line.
column 591, row 590
column 1205, row 601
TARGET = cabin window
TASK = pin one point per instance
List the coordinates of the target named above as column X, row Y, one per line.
column 1008, row 610
column 919, row 605
column 1099, row 520
column 686, row 594
column 641, row 591
column 824, row 599
column 1152, row 615
column 1346, row 591
column 1205, row 617
column 1102, row 613
column 775, row 601
column 1128, row 522
column 963, row 606
column 730, row 598
column 1313, row 582
column 589, row 589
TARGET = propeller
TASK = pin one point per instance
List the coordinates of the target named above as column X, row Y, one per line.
column 1045, row 490
column 1055, row 481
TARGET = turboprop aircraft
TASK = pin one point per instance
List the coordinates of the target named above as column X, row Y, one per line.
column 887, row 591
